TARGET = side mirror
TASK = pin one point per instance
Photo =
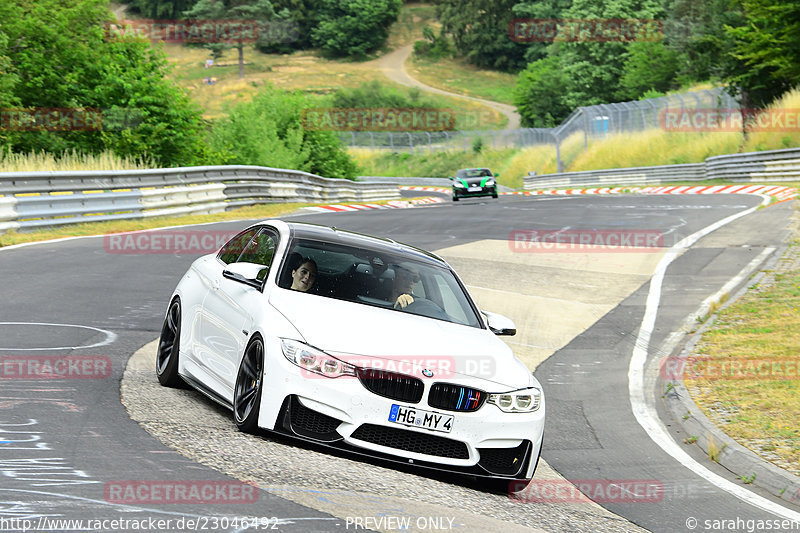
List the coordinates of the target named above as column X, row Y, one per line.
column 497, row 175
column 451, row 178
column 499, row 324
column 247, row 273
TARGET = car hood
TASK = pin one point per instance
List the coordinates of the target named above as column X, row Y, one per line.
column 475, row 181
column 392, row 340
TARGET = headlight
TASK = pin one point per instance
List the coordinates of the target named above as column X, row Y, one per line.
column 314, row 360
column 458, row 184
column 490, row 183
column 521, row 401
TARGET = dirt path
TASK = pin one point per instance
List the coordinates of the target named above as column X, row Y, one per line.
column 393, row 66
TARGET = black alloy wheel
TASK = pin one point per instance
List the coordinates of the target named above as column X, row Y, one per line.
column 169, row 347
column 247, row 392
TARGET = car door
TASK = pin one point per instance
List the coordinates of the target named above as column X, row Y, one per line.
column 227, row 310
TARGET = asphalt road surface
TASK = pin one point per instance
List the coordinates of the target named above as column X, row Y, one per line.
column 69, row 450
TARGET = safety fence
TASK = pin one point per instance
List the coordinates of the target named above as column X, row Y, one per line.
column 587, row 121
column 773, row 166
column 37, row 199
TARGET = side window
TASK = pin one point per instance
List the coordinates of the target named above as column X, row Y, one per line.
column 233, row 248
column 260, row 251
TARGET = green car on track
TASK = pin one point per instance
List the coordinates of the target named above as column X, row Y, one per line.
column 472, row 182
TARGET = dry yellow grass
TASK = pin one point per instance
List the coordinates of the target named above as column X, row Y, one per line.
column 655, row 147
column 458, row 76
column 775, row 140
column 304, row 71
column 41, row 161
column 542, row 159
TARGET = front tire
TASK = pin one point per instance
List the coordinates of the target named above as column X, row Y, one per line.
column 249, row 382
column 169, row 347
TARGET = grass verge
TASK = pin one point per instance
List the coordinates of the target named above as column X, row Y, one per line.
column 434, row 165
column 458, row 76
column 42, row 161
column 747, row 375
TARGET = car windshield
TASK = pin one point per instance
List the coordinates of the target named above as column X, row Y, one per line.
column 474, row 173
column 376, row 277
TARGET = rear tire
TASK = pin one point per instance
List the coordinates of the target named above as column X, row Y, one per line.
column 169, row 347
column 249, row 382
column 455, row 198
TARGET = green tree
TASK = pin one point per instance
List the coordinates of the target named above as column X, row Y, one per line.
column 269, row 131
column 162, row 9
column 695, row 30
column 8, row 78
column 768, row 45
column 480, row 32
column 593, row 68
column 539, row 11
column 650, row 66
column 57, row 56
column 538, row 94
column 354, row 27
column 299, row 17
column 259, row 11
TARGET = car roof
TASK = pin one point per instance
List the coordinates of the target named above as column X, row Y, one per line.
column 320, row 232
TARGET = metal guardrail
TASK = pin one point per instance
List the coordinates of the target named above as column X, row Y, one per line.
column 36, row 199
column 774, row 165
column 425, row 182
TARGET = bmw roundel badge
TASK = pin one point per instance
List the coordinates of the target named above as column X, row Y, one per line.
column 427, row 373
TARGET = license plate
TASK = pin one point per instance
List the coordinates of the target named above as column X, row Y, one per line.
column 474, row 189
column 419, row 418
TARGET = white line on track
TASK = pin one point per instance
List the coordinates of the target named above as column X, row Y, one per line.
column 645, row 413
column 110, row 336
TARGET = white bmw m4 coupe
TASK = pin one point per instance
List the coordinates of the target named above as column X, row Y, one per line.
column 358, row 343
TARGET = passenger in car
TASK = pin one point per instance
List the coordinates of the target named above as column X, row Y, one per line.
column 304, row 275
column 405, row 278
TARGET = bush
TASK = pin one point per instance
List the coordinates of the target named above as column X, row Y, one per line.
column 268, row 131
column 354, row 27
column 68, row 62
column 433, row 47
column 374, row 94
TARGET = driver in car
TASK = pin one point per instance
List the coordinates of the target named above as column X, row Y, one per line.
column 304, row 275
column 405, row 278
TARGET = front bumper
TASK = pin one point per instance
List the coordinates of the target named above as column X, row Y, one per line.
column 342, row 413
column 465, row 192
